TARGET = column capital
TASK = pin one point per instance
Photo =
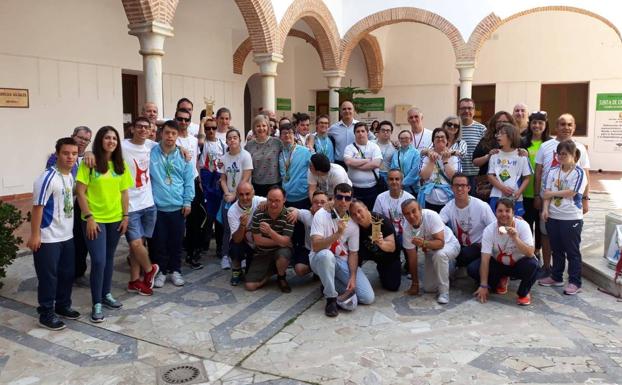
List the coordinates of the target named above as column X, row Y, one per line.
column 334, row 77
column 466, row 69
column 268, row 62
column 151, row 36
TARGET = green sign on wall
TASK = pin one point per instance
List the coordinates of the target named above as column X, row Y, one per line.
column 369, row 104
column 283, row 104
column 311, row 108
column 609, row 102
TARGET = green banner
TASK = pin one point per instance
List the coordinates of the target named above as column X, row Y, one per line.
column 369, row 104
column 283, row 104
column 311, row 108
column 608, row 102
column 334, row 109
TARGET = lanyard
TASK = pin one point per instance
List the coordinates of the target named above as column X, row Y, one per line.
column 288, row 161
column 168, row 166
column 67, row 196
column 323, row 145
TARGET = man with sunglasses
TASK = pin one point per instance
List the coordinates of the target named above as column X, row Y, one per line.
column 467, row 217
column 334, row 258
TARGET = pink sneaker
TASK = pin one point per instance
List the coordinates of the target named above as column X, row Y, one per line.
column 548, row 281
column 571, row 289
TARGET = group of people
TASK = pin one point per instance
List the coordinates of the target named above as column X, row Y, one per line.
column 463, row 195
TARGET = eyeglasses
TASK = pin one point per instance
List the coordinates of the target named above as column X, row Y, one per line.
column 466, row 108
column 452, row 125
column 180, row 119
column 138, row 127
column 385, row 130
column 461, row 185
column 210, row 128
column 340, row 197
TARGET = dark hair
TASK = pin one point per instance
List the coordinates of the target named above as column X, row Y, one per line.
column 489, row 140
column 184, row 111
column 317, row 192
column 234, row 131
column 507, row 202
column 360, row 124
column 394, row 170
column 459, row 175
column 407, row 202
column 64, row 142
column 512, row 132
column 570, row 147
column 407, row 131
column 284, row 118
column 376, row 123
column 276, row 187
column 385, row 123
column 343, row 187
column 546, row 134
column 101, row 163
column 444, row 131
column 223, row 110
column 323, row 116
column 202, row 114
column 286, row 127
column 141, row 119
column 360, row 202
column 171, row 124
column 300, row 117
column 182, row 100
column 320, row 162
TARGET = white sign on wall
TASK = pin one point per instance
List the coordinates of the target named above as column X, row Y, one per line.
column 608, row 123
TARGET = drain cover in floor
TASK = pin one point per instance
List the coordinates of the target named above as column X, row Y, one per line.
column 187, row 373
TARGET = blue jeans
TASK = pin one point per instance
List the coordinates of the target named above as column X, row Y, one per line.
column 168, row 239
column 102, row 251
column 335, row 273
column 565, row 240
column 54, row 264
column 141, row 224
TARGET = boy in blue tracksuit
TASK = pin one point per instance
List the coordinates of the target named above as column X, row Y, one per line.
column 408, row 160
column 172, row 181
column 293, row 166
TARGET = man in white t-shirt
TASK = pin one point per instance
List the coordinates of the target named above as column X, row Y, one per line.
column 425, row 229
column 142, row 211
column 389, row 203
column 240, row 214
column 335, row 242
column 51, row 237
column 467, row 216
column 324, row 176
column 546, row 158
column 422, row 137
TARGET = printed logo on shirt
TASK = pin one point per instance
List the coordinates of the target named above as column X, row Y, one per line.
column 505, row 175
column 141, row 174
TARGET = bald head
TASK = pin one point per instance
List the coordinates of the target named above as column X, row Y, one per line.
column 245, row 194
column 347, row 112
column 150, row 111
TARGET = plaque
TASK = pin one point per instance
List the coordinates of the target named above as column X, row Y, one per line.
column 14, row 98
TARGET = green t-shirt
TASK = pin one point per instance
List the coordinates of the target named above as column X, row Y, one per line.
column 103, row 191
column 533, row 150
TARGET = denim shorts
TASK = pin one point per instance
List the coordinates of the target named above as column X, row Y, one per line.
column 141, row 224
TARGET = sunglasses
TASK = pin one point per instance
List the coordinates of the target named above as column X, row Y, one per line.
column 341, row 197
column 452, row 125
column 210, row 128
column 186, row 120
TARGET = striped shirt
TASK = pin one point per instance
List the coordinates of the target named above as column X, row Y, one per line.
column 471, row 134
column 280, row 225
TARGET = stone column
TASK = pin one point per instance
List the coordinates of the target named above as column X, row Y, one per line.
column 466, row 70
column 151, row 36
column 267, row 68
column 334, row 81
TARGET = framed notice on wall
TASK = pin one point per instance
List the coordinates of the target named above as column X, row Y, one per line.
column 608, row 123
column 14, row 98
column 401, row 113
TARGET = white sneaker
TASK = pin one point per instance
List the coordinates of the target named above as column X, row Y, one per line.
column 225, row 262
column 159, row 280
column 177, row 279
column 443, row 298
column 243, row 264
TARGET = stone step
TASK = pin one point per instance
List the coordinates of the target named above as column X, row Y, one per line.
column 595, row 268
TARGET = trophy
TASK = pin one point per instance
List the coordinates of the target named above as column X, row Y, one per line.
column 209, row 106
column 376, row 232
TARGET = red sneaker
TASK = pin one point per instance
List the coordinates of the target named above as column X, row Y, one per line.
column 139, row 287
column 524, row 301
column 150, row 276
column 502, row 287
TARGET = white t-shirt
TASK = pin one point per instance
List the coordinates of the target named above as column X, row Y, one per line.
column 509, row 168
column 137, row 157
column 438, row 196
column 558, row 180
column 235, row 213
column 468, row 223
column 212, row 154
column 501, row 247
column 362, row 178
column 306, row 218
column 325, row 226
column 431, row 224
column 387, row 150
column 547, row 157
column 392, row 208
column 423, row 139
column 190, row 144
column 221, row 136
column 327, row 183
column 52, row 190
column 233, row 165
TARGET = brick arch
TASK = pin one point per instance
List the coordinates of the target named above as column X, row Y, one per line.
column 373, row 60
column 260, row 23
column 143, row 11
column 240, row 54
column 398, row 15
column 492, row 22
column 320, row 20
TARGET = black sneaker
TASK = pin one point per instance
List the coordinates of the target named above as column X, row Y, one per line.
column 68, row 313
column 194, row 264
column 331, row 307
column 51, row 322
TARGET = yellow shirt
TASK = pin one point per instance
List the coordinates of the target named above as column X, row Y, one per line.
column 103, row 191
